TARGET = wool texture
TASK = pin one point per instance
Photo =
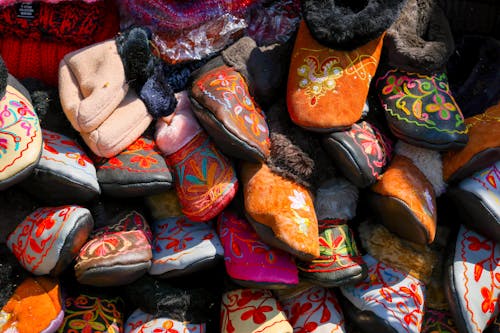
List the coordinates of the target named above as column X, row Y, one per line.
column 420, row 40
column 158, row 95
column 11, row 274
column 348, row 24
column 426, row 160
column 336, row 199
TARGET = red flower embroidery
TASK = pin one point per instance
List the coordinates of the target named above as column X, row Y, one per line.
column 49, row 148
column 476, row 244
column 115, row 162
column 257, row 314
column 489, row 303
column 144, row 161
column 249, row 295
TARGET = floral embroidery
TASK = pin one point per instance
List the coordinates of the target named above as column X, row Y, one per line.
column 203, row 176
column 389, row 292
column 314, row 309
column 228, row 89
column 19, row 129
column 298, row 202
column 91, row 314
column 477, row 278
column 485, row 184
column 141, row 156
column 319, row 76
column 255, row 307
column 141, row 322
column 248, row 258
column 421, row 100
column 337, row 250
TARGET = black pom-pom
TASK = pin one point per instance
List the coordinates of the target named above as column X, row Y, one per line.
column 158, row 95
column 3, row 77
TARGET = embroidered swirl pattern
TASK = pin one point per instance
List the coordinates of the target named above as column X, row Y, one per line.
column 421, row 100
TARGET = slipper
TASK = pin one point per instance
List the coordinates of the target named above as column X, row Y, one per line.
column 141, row 322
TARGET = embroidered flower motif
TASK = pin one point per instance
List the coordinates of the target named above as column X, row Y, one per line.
column 441, row 106
column 257, row 314
column 298, row 200
column 489, row 302
column 144, row 161
column 302, row 222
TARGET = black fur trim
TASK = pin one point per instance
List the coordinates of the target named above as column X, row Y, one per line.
column 420, row 40
column 348, row 24
column 11, row 275
column 3, row 77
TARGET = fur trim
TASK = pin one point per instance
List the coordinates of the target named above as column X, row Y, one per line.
column 336, row 199
column 158, row 95
column 3, row 77
column 11, row 274
column 238, row 54
column 420, row 40
column 348, row 24
column 414, row 259
column 426, row 160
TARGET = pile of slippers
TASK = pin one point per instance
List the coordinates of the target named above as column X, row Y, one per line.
column 264, row 166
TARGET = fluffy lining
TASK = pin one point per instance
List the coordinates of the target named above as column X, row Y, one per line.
column 336, row 199
column 414, row 259
column 348, row 24
column 426, row 160
column 420, row 40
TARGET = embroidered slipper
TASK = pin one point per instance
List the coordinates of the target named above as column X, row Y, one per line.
column 414, row 91
column 48, row 239
column 360, row 153
column 436, row 321
column 473, row 69
column 339, row 261
column 252, row 310
column 388, row 300
column 181, row 247
column 141, row 322
column 473, row 281
column 249, row 261
column 163, row 205
column 64, row 174
column 222, row 97
column 89, row 312
column 405, row 197
column 314, row 310
column 481, row 151
column 287, row 220
column 97, row 100
column 160, row 299
column 116, row 254
column 35, row 306
column 321, row 81
column 138, row 170
column 20, row 133
column 477, row 201
column 205, row 180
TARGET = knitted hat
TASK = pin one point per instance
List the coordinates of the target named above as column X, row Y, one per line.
column 34, row 41
column 346, row 24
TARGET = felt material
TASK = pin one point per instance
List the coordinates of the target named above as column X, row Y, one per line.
column 427, row 161
column 116, row 254
column 138, row 170
column 229, row 114
column 49, row 238
column 161, row 299
column 64, row 174
column 438, row 322
column 314, row 310
column 472, row 281
column 249, row 261
column 349, row 24
column 477, row 200
column 205, row 180
column 472, row 70
column 414, row 259
column 420, row 40
column 90, row 313
column 392, row 296
column 35, row 306
column 321, row 82
column 20, row 135
column 125, row 125
column 163, row 205
column 405, row 201
column 481, row 150
column 252, row 310
column 360, row 153
column 286, row 219
column 181, row 247
column 92, row 85
column 421, row 110
column 141, row 322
